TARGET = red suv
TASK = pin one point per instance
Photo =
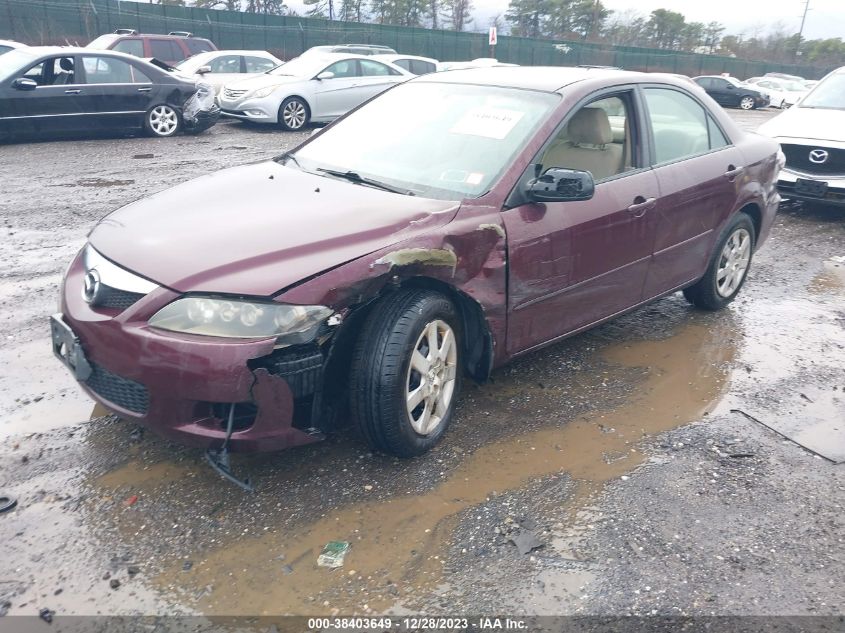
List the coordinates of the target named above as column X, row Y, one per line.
column 171, row 48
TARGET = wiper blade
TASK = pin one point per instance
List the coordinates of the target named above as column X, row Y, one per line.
column 357, row 178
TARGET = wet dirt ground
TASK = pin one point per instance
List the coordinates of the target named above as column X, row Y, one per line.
column 626, row 452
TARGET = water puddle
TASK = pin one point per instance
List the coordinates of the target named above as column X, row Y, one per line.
column 403, row 539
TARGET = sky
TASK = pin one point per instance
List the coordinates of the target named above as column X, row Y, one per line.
column 826, row 18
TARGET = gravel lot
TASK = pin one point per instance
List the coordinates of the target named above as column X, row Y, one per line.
column 619, row 450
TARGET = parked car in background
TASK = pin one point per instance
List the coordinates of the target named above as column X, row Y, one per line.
column 381, row 261
column 351, row 49
column 784, row 76
column 9, row 45
column 171, row 48
column 481, row 62
column 45, row 90
column 728, row 91
column 809, row 84
column 783, row 93
column 812, row 136
column 412, row 63
column 221, row 67
column 312, row 88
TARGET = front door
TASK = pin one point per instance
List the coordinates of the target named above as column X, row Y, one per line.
column 572, row 264
column 376, row 78
column 336, row 96
column 687, row 143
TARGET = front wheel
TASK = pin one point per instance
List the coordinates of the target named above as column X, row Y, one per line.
column 294, row 114
column 728, row 266
column 746, row 103
column 162, row 120
column 406, row 372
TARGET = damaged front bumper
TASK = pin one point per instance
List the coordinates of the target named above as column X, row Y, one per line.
column 183, row 386
column 201, row 111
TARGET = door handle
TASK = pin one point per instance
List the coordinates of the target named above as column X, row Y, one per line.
column 144, row 89
column 641, row 205
column 733, row 172
column 75, row 91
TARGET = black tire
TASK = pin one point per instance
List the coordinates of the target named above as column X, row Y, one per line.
column 289, row 118
column 156, row 114
column 705, row 292
column 381, row 377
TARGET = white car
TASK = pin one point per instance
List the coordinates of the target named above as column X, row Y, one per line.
column 9, row 45
column 782, row 92
column 219, row 68
column 412, row 63
column 812, row 137
column 313, row 88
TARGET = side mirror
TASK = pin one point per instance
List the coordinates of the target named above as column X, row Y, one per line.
column 326, row 74
column 731, row 87
column 561, row 185
column 24, row 83
column 203, row 69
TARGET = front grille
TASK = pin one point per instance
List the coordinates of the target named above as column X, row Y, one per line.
column 115, row 298
column 229, row 93
column 798, row 158
column 118, row 390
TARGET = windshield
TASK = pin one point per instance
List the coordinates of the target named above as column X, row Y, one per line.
column 301, row 67
column 794, row 86
column 14, row 62
column 193, row 63
column 828, row 93
column 438, row 140
column 102, row 42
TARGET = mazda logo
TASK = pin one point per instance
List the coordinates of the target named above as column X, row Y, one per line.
column 818, row 156
column 91, row 286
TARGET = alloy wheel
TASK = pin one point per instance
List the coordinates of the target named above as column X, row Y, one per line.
column 294, row 114
column 733, row 262
column 430, row 383
column 746, row 103
column 163, row 120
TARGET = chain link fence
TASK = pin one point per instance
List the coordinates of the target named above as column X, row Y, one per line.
column 76, row 22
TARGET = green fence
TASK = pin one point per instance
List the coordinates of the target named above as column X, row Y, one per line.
column 79, row 21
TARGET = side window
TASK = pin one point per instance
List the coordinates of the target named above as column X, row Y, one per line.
column 258, row 64
column 226, row 64
column 55, row 71
column 679, row 124
column 370, row 68
column 403, row 63
column 597, row 139
column 132, row 47
column 166, row 51
column 717, row 138
column 106, row 70
column 419, row 67
column 344, row 68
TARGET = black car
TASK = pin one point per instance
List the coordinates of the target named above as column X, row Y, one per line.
column 47, row 90
column 730, row 92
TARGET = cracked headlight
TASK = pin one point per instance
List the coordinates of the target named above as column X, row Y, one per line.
column 227, row 318
column 263, row 92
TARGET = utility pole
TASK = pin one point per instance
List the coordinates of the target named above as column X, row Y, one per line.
column 801, row 30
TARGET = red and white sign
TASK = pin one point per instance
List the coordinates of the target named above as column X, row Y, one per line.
column 492, row 36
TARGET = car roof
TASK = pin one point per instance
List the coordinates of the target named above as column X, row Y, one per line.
column 390, row 57
column 543, row 78
column 76, row 50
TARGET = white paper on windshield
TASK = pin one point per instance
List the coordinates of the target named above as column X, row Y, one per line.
column 488, row 122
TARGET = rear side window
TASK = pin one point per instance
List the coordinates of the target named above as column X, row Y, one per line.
column 717, row 138
column 258, row 64
column 404, row 63
column 679, row 124
column 108, row 70
column 132, row 47
column 704, row 82
column 198, row 46
column 419, row 67
column 166, row 50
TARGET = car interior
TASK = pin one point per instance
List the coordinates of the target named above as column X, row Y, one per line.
column 56, row 71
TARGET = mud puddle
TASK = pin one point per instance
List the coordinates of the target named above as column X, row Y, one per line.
column 400, row 542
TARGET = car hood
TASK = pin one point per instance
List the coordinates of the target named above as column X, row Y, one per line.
column 256, row 229
column 263, row 80
column 811, row 123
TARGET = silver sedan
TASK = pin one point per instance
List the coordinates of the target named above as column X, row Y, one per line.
column 315, row 88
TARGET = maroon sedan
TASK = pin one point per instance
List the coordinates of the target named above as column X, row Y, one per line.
column 455, row 222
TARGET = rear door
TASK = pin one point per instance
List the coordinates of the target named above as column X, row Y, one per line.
column 571, row 264
column 698, row 170
column 120, row 92
column 376, row 78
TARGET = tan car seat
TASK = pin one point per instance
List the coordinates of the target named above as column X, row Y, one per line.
column 588, row 146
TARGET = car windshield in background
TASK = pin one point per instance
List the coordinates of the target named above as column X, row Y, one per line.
column 301, row 67
column 443, row 141
column 14, row 61
column 830, row 93
column 192, row 64
column 103, row 42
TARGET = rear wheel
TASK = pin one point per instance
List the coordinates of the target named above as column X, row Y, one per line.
column 163, row 120
column 728, row 266
column 746, row 103
column 294, row 114
column 406, row 372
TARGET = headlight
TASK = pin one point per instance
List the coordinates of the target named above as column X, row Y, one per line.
column 241, row 319
column 263, row 92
